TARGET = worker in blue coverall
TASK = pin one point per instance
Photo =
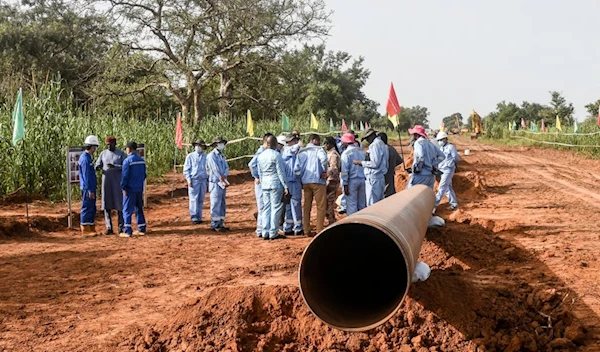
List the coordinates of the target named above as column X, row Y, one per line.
column 271, row 171
column 194, row 171
column 218, row 171
column 132, row 185
column 88, row 185
column 426, row 157
column 352, row 175
column 252, row 165
column 375, row 168
column 447, row 166
column 293, row 211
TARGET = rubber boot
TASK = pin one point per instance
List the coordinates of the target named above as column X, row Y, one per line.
column 83, row 228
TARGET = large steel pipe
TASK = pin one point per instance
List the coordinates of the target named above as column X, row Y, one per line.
column 355, row 274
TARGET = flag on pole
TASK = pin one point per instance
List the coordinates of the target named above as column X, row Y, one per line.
column 367, row 125
column 314, row 123
column 250, row 124
column 344, row 127
column 285, row 122
column 442, row 126
column 575, row 127
column 509, row 125
column 331, row 128
column 362, row 127
column 558, row 126
column 514, row 126
column 599, row 116
column 393, row 107
column 18, row 119
column 352, row 125
column 179, row 132
column 523, row 124
column 543, row 126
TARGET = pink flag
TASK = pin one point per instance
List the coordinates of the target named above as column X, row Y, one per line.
column 344, row 127
column 523, row 123
column 367, row 125
column 179, row 133
column 543, row 126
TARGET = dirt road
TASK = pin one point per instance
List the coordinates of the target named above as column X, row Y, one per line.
column 516, row 268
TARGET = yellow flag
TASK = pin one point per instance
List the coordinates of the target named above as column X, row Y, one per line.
column 558, row 126
column 394, row 120
column 250, row 124
column 314, row 123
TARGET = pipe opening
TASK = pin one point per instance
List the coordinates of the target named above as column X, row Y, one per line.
column 353, row 276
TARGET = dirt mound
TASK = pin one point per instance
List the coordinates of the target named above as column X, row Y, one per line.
column 12, row 229
column 469, row 186
column 49, row 224
column 275, row 318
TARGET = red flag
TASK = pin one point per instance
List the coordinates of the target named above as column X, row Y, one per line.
column 344, row 127
column 598, row 117
column 392, row 107
column 179, row 133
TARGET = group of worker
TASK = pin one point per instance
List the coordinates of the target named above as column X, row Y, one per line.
column 285, row 172
column 283, row 169
column 123, row 177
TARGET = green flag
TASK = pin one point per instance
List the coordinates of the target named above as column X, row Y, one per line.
column 285, row 122
column 514, row 126
column 331, row 128
column 18, row 119
column 575, row 127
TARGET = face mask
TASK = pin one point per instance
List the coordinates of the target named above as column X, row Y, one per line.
column 220, row 146
column 198, row 149
column 441, row 143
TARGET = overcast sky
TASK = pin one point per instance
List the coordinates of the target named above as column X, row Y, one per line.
column 457, row 55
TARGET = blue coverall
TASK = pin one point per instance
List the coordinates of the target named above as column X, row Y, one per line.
column 217, row 166
column 426, row 157
column 375, row 170
column 194, row 171
column 354, row 177
column 447, row 166
column 293, row 211
column 88, row 184
column 271, row 171
column 252, row 165
column 132, row 182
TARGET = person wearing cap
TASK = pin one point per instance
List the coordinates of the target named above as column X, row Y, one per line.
column 447, row 167
column 194, row 171
column 352, row 175
column 426, row 157
column 271, row 170
column 311, row 166
column 375, row 168
column 292, row 225
column 218, row 171
column 342, row 206
column 132, row 185
column 252, row 165
column 394, row 161
column 110, row 162
column 88, row 184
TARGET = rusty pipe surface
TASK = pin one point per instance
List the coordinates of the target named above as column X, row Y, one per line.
column 355, row 274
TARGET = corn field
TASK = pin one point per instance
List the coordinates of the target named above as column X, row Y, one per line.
column 52, row 124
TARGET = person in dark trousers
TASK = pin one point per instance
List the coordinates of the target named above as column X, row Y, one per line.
column 110, row 162
column 88, row 185
column 394, row 160
column 132, row 185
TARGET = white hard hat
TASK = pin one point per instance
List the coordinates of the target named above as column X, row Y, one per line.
column 91, row 140
column 281, row 139
column 441, row 135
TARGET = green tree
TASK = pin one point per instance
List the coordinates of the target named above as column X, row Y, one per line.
column 450, row 121
column 561, row 109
